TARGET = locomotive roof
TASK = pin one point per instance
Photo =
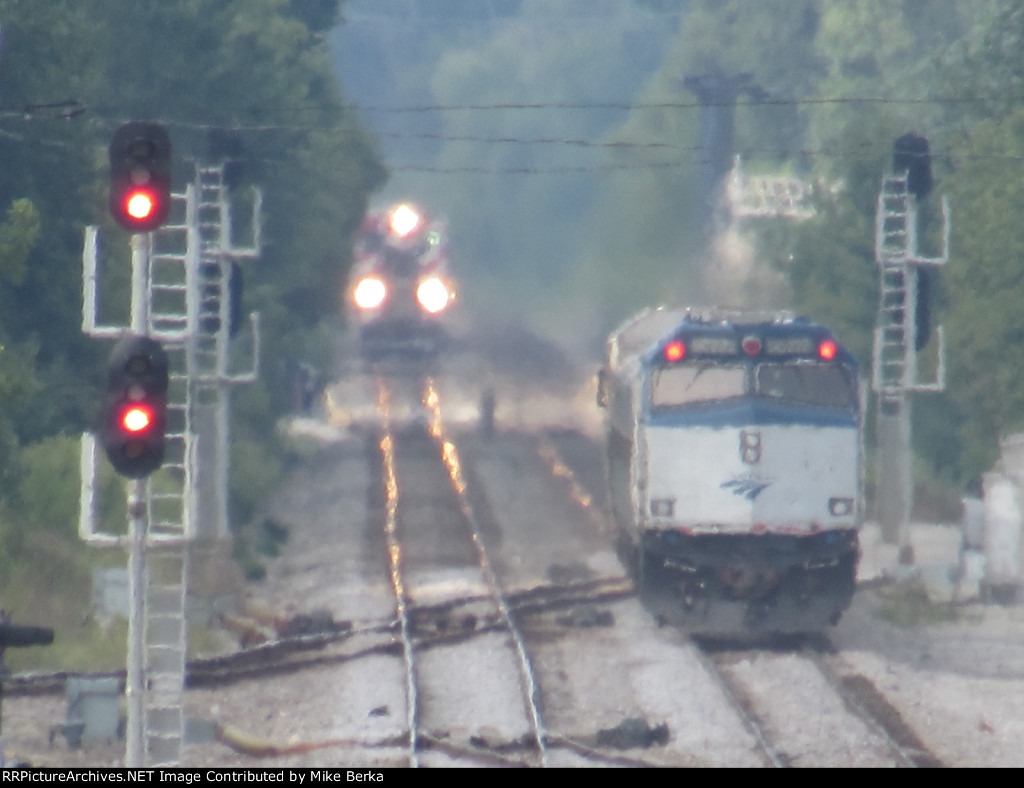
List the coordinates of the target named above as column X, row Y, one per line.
column 642, row 332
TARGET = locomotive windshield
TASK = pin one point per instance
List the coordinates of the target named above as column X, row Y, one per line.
column 825, row 385
column 796, row 382
column 685, row 384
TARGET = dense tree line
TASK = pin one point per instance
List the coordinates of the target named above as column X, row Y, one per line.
column 837, row 83
column 579, row 208
column 585, row 234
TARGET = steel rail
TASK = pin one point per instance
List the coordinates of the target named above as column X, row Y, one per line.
column 387, row 448
column 450, row 456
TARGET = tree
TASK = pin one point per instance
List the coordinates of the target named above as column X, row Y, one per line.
column 251, row 78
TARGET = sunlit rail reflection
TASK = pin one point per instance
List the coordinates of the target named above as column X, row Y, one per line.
column 387, row 450
column 450, row 456
column 547, row 451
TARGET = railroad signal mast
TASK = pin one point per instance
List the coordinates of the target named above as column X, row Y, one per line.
column 170, row 354
column 902, row 330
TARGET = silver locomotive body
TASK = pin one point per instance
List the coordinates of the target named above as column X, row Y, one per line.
column 733, row 460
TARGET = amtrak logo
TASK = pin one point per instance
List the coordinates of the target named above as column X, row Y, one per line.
column 748, row 486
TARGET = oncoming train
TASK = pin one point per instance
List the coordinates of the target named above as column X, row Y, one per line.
column 733, row 461
column 401, row 291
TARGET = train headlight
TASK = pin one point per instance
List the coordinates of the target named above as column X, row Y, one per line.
column 404, row 219
column 370, row 293
column 663, row 507
column 433, row 295
column 750, row 446
column 840, row 507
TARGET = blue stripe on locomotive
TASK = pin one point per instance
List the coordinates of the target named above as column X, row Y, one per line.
column 750, row 412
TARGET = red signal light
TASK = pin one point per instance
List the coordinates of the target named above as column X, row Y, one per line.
column 827, row 350
column 137, row 418
column 674, row 351
column 140, row 204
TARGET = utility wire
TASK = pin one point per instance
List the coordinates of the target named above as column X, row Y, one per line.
column 72, row 108
column 689, row 104
column 625, row 106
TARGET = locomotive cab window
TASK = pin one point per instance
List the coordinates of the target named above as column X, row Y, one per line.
column 825, row 385
column 686, row 384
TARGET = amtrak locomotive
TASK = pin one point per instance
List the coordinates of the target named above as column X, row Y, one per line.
column 401, row 292
column 734, row 460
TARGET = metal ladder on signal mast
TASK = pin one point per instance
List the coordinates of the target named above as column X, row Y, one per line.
column 895, row 353
column 211, row 207
column 170, row 500
column 895, row 368
column 893, row 244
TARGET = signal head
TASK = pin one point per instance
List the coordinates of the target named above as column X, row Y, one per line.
column 135, row 408
column 140, row 176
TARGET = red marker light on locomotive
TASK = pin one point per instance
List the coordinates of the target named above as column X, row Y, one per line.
column 827, row 350
column 674, row 351
column 751, row 346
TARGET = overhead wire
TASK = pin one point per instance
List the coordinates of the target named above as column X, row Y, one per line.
column 73, row 108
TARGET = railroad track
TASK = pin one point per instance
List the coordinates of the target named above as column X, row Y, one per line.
column 431, row 685
column 440, row 607
column 805, row 708
column 503, row 629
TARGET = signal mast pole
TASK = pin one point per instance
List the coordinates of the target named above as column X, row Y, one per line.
column 895, row 375
column 138, row 527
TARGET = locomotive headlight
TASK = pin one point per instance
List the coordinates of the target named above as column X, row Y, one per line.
column 404, row 219
column 750, row 446
column 663, row 507
column 433, row 295
column 370, row 293
column 840, row 507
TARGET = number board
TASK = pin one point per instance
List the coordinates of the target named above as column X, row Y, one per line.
column 790, row 346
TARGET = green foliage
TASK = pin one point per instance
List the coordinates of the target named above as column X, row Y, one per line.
column 86, row 646
column 42, row 508
column 254, row 472
column 249, row 79
column 17, row 237
column 907, row 605
column 985, row 280
column 833, row 273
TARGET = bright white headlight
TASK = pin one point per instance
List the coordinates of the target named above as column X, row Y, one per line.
column 370, row 293
column 433, row 295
